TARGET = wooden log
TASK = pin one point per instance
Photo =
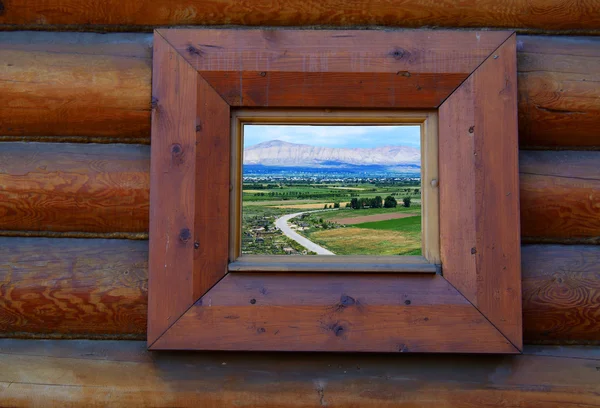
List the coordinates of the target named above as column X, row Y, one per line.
column 142, row 15
column 561, row 293
column 112, row 373
column 74, row 187
column 559, row 91
column 75, row 84
column 104, row 189
column 560, row 197
column 98, row 288
column 73, row 288
column 92, row 87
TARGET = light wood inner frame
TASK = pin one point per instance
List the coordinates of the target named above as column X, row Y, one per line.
column 430, row 227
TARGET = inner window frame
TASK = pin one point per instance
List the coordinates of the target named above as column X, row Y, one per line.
column 428, row 262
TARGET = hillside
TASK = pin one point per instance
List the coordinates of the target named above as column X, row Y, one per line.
column 279, row 153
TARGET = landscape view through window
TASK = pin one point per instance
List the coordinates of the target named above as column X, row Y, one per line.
column 331, row 190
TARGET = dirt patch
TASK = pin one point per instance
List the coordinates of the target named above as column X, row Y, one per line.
column 372, row 218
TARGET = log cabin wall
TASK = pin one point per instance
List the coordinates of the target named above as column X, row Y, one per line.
column 75, row 106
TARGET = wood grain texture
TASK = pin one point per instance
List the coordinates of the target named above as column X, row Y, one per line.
column 559, row 199
column 559, row 91
column 44, row 280
column 561, row 293
column 97, row 87
column 307, row 68
column 307, row 58
column 212, row 214
column 75, row 84
column 327, row 312
column 173, row 192
column 73, row 287
column 124, row 374
column 70, row 187
column 479, row 191
column 560, row 195
column 128, row 14
column 373, row 90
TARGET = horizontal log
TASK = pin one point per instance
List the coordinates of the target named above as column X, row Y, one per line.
column 104, row 189
column 560, row 197
column 73, row 287
column 92, row 87
column 75, row 84
column 112, row 373
column 559, row 91
column 98, row 288
column 561, row 293
column 142, row 15
column 74, row 187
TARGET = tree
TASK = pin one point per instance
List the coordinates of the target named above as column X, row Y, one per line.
column 336, row 205
column 406, row 201
column 376, row 202
column 354, row 203
column 390, row 202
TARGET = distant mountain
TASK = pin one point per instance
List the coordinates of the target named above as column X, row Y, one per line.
column 284, row 154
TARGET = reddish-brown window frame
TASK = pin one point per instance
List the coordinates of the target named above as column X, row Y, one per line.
column 469, row 77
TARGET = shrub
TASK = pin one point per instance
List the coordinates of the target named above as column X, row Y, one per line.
column 390, row 202
column 406, row 201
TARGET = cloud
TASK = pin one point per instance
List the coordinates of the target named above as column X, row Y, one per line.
column 334, row 136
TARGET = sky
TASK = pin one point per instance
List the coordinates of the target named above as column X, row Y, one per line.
column 334, row 136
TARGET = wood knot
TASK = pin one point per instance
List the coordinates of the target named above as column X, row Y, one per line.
column 194, row 51
column 177, row 153
column 407, row 302
column 199, row 128
column 472, row 129
column 346, row 300
column 153, row 104
column 338, row 330
column 185, row 235
column 196, row 245
column 473, row 251
column 403, row 348
column 263, row 74
column 398, row 53
column 403, row 73
column 261, row 330
column 252, row 301
column 176, row 148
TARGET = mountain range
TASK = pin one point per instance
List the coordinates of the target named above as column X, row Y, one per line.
column 285, row 154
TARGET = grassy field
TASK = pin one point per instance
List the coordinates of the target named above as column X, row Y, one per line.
column 400, row 236
column 263, row 203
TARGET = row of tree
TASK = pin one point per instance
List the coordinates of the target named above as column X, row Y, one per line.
column 377, row 202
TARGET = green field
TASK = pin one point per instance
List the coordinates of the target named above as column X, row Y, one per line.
column 409, row 225
column 333, row 229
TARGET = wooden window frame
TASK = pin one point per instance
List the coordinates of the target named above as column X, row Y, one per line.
column 468, row 77
column 430, row 243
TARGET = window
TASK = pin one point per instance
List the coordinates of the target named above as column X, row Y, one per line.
column 207, row 84
column 284, row 193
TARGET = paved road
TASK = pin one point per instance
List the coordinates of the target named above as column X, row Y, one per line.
column 282, row 224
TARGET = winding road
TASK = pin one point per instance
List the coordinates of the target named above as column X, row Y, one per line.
column 282, row 224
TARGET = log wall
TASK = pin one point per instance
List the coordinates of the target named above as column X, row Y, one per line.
column 74, row 128
column 65, row 90
column 109, row 373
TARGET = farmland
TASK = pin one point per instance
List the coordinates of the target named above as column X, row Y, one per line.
column 373, row 227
